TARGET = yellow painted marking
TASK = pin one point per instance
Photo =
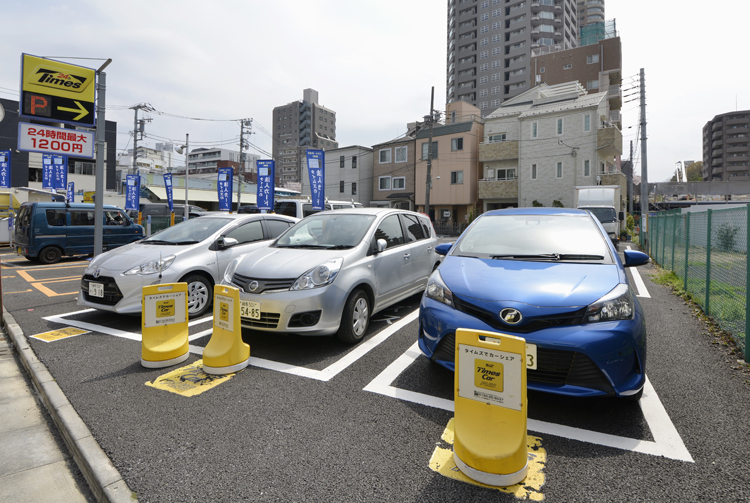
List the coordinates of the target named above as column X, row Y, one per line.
column 56, row 335
column 188, row 381
column 7, row 277
column 19, row 291
column 529, row 489
column 49, row 293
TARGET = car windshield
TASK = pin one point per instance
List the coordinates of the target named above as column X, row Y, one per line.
column 605, row 215
column 533, row 237
column 191, row 231
column 327, row 231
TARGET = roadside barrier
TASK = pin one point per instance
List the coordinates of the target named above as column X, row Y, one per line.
column 164, row 325
column 226, row 353
column 490, row 407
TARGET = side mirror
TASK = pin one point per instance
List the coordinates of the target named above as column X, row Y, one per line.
column 381, row 245
column 225, row 242
column 443, row 248
column 634, row 258
column 622, row 215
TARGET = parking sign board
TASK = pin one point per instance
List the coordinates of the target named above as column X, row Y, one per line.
column 55, row 140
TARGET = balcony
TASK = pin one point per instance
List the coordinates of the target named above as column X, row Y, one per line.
column 717, row 162
column 716, row 125
column 717, row 152
column 609, row 141
column 717, row 134
column 490, row 188
column 717, row 143
column 737, row 168
column 717, row 171
column 498, row 151
column 736, row 121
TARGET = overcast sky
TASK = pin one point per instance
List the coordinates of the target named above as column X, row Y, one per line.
column 372, row 61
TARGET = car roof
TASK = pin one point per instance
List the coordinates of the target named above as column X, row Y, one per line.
column 235, row 216
column 366, row 211
column 79, row 206
column 536, row 211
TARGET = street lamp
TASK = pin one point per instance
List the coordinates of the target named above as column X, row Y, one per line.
column 186, row 148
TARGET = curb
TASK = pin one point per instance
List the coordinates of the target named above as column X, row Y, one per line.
column 103, row 479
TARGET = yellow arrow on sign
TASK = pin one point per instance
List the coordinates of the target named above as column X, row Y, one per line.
column 82, row 112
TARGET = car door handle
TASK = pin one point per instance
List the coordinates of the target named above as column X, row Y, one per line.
column 430, row 248
column 406, row 256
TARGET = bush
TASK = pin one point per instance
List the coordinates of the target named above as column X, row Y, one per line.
column 725, row 236
column 630, row 223
column 536, row 204
column 557, row 204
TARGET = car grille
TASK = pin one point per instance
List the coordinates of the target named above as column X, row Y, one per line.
column 264, row 285
column 112, row 294
column 555, row 367
column 528, row 325
column 267, row 320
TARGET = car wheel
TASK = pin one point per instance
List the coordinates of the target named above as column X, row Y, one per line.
column 50, row 255
column 200, row 295
column 355, row 319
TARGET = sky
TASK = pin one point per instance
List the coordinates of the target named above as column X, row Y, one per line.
column 203, row 65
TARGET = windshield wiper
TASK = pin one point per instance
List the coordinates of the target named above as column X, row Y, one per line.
column 315, row 247
column 187, row 242
column 541, row 256
column 156, row 242
column 578, row 256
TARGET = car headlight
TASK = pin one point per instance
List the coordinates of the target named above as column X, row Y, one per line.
column 319, row 276
column 436, row 290
column 616, row 305
column 151, row 267
column 229, row 271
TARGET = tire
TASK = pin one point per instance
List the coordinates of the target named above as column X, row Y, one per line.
column 355, row 319
column 50, row 255
column 200, row 295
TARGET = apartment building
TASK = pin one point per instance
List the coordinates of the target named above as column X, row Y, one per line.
column 394, row 164
column 540, row 145
column 489, row 46
column 590, row 12
column 296, row 127
column 726, row 148
column 348, row 174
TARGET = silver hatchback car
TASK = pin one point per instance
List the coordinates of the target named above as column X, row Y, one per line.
column 196, row 252
column 333, row 270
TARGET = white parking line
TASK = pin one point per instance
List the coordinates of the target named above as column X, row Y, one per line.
column 639, row 284
column 321, row 375
column 667, row 441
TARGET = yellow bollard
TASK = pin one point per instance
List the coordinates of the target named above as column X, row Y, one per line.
column 164, row 325
column 226, row 352
column 490, row 407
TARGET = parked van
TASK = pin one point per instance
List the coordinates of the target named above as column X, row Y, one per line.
column 47, row 231
column 301, row 208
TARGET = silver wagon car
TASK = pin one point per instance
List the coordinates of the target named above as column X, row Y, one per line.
column 333, row 270
column 196, row 252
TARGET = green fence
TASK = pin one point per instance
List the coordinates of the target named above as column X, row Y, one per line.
column 707, row 250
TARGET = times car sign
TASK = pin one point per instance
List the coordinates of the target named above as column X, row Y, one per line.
column 55, row 140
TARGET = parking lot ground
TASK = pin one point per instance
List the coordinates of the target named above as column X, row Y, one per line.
column 315, row 420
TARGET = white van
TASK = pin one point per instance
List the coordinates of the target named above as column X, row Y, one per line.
column 301, row 208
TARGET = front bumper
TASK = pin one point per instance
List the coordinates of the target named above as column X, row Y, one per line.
column 122, row 294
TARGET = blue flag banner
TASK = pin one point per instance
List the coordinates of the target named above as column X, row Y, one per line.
column 168, row 185
column 71, row 192
column 225, row 189
column 316, row 161
column 60, row 163
column 132, row 192
column 266, row 184
column 47, row 172
column 5, row 169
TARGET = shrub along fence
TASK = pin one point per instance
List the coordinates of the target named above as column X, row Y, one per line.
column 708, row 250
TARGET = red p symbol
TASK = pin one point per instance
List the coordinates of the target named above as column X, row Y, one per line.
column 38, row 102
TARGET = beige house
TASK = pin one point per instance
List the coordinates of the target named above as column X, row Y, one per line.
column 455, row 165
column 393, row 171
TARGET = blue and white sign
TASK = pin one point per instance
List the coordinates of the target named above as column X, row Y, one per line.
column 225, row 189
column 71, row 192
column 168, row 185
column 132, row 192
column 266, row 184
column 5, row 169
column 47, row 172
column 316, row 161
column 60, row 162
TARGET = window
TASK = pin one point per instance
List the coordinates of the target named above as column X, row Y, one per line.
column 559, row 172
column 401, row 153
column 506, row 174
column 341, row 161
column 251, row 231
column 592, row 84
column 495, row 138
column 534, row 129
column 587, row 122
column 390, row 230
column 457, row 144
column 592, row 58
column 354, row 162
column 277, row 227
column 434, row 150
column 567, row 67
column 541, row 70
column 587, row 168
column 384, row 183
column 399, row 183
column 56, row 217
column 560, row 126
column 457, row 177
column 82, row 217
column 533, row 172
column 354, row 188
column 385, row 156
column 414, row 231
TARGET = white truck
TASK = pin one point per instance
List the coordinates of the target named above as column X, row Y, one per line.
column 604, row 202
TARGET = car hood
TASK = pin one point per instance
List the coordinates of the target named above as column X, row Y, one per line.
column 134, row 254
column 542, row 284
column 270, row 263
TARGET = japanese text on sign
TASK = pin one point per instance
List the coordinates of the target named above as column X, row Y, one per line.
column 316, row 173
column 266, row 178
column 53, row 140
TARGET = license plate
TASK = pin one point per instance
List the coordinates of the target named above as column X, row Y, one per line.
column 531, row 356
column 250, row 309
column 96, row 289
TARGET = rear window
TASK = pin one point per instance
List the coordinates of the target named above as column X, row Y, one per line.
column 81, row 217
column 286, row 208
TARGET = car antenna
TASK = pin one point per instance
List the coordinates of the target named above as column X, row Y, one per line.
column 160, row 265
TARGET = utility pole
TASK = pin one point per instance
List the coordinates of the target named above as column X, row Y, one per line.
column 139, row 127
column 187, row 175
column 244, row 123
column 101, row 94
column 630, row 181
column 644, row 167
column 429, row 155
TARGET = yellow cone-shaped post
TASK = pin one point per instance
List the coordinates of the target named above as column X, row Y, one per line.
column 490, row 407
column 164, row 325
column 226, row 352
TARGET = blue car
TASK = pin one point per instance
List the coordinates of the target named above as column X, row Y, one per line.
column 551, row 276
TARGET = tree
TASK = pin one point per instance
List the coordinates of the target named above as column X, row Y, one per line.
column 694, row 172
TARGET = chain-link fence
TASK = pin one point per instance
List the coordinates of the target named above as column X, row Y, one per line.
column 707, row 250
